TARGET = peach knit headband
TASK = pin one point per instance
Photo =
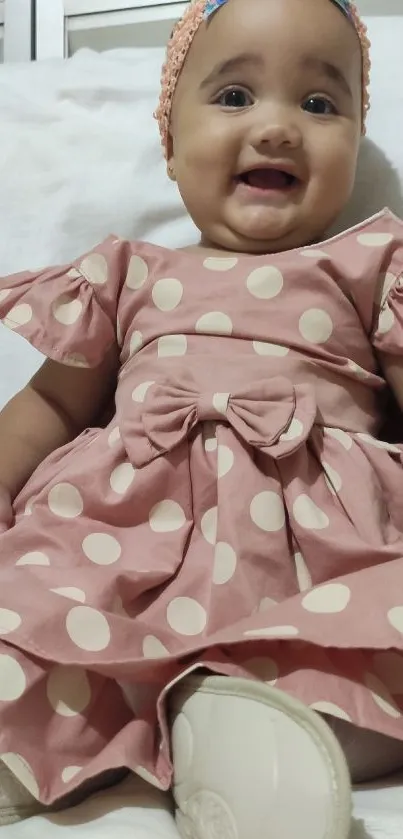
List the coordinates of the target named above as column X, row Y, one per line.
column 182, row 37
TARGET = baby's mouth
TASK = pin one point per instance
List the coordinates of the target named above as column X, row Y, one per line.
column 268, row 180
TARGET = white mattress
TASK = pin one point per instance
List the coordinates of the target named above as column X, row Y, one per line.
column 134, row 810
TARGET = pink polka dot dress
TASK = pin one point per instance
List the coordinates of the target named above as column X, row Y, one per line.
column 237, row 514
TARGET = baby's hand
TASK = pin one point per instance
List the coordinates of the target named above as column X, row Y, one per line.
column 6, row 510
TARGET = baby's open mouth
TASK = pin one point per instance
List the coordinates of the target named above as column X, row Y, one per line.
column 268, row 179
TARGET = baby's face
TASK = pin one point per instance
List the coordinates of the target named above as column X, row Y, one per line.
column 266, row 123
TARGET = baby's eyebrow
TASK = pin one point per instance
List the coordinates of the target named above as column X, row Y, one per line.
column 235, row 63
column 327, row 68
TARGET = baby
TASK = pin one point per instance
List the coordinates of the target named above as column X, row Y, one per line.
column 208, row 591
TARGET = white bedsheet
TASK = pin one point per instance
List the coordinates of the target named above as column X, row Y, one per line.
column 134, row 810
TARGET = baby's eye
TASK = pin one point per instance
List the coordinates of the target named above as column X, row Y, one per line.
column 235, row 97
column 319, row 105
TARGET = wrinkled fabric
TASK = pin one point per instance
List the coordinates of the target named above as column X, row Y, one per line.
column 238, row 513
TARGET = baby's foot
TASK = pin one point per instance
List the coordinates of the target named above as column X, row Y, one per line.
column 250, row 762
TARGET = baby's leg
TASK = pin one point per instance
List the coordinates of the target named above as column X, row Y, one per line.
column 369, row 755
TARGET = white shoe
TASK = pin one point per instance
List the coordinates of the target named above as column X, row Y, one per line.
column 251, row 762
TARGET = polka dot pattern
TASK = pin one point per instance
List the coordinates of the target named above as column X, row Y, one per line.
column 220, row 264
column 136, row 342
column 102, row 548
column 167, row 294
column 9, row 621
column 267, row 512
column 309, row 515
column 154, row 648
column 122, row 478
column 316, row 326
column 374, row 240
column 67, row 310
column 214, row 323
column 88, row 629
column 33, row 558
column 19, row 315
column 275, row 350
column 65, row 501
column 137, row 273
column 331, row 709
column 12, row 679
column 209, row 525
column 71, row 592
column 303, row 574
column 95, row 269
column 186, row 616
column 386, row 320
column 225, row 461
column 225, row 563
column 172, row 346
column 286, row 631
column 167, row 517
column 68, row 690
column 140, row 392
column 70, row 772
column 265, row 283
column 382, row 697
column 330, row 599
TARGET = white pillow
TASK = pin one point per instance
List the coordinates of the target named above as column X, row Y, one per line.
column 80, row 158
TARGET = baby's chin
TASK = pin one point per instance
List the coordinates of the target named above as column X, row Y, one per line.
column 262, row 241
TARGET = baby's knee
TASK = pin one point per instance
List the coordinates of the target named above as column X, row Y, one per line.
column 370, row 755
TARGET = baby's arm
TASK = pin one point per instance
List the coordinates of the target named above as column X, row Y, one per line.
column 55, row 406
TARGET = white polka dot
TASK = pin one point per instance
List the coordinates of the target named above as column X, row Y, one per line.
column 136, row 342
column 71, row 593
column 211, row 444
column 273, row 632
column 225, row 563
column 76, row 360
column 374, row 240
column 331, row 709
column 140, row 392
column 389, row 281
column 64, row 500
column 389, row 667
column 148, row 777
column 264, row 348
column 68, row 690
column 186, row 616
column 122, row 478
column 167, row 294
column 309, row 515
column 220, row 402
column 12, row 679
column 357, row 370
column 341, row 437
column 266, row 603
column 154, row 648
column 225, row 461
column 73, row 274
column 28, row 507
column 386, row 320
column 88, row 628
column 316, row 326
column 328, row 599
column 214, row 264
column 378, row 444
column 209, row 525
column 262, row 668
column 332, row 478
column 265, row 283
column 33, row 558
column 67, row 309
column 267, row 512
column 295, row 430
column 22, row 771
column 215, row 323
column 19, row 315
column 137, row 273
column 167, row 517
column 114, row 436
column 95, row 269
column 4, row 292
column 303, row 575
column 314, row 253
column 172, row 346
column 381, row 696
column 70, row 772
column 9, row 621
column 395, row 618
column 102, row 548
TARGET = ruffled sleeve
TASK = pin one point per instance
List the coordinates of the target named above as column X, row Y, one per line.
column 68, row 313
column 388, row 332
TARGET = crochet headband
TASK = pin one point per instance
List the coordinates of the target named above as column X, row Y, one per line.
column 185, row 30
